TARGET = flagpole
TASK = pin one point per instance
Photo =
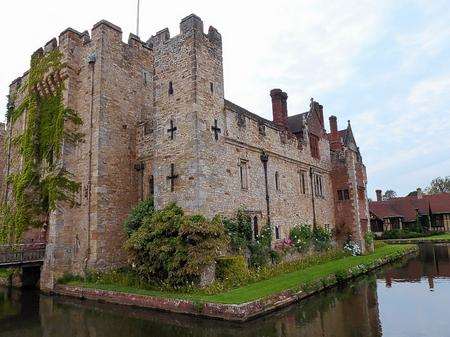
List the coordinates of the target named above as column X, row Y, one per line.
column 137, row 18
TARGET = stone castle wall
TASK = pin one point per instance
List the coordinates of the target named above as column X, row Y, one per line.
column 129, row 96
column 3, row 155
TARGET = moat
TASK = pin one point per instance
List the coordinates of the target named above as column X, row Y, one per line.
column 407, row 299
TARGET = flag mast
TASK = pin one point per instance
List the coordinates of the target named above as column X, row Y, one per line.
column 137, row 18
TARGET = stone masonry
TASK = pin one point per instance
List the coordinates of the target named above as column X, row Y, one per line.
column 157, row 125
column 3, row 154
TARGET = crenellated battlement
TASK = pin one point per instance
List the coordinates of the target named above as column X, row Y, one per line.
column 191, row 24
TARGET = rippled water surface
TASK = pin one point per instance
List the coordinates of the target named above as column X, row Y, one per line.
column 407, row 299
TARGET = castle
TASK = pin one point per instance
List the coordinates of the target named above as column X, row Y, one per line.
column 157, row 125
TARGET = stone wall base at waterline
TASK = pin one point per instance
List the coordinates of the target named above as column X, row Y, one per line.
column 231, row 312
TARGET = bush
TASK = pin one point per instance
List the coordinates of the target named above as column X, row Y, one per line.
column 174, row 249
column 321, row 239
column 301, row 237
column 239, row 230
column 369, row 237
column 138, row 214
column 405, row 234
column 232, row 270
column 379, row 244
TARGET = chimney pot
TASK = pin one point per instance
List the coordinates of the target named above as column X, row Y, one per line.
column 379, row 197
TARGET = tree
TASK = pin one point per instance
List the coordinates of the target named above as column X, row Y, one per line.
column 439, row 185
column 389, row 194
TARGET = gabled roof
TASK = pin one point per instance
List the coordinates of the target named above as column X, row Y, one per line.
column 405, row 207
column 295, row 122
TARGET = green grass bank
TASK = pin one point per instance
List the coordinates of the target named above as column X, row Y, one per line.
column 302, row 279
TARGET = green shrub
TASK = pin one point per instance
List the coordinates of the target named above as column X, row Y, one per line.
column 405, row 234
column 301, row 237
column 341, row 276
column 379, row 244
column 239, row 230
column 369, row 237
column 174, row 249
column 232, row 270
column 136, row 218
column 321, row 239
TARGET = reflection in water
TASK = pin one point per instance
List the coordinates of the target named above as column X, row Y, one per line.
column 372, row 306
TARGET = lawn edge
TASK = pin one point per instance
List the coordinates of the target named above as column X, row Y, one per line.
column 231, row 312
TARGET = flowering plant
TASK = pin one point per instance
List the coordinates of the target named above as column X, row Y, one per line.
column 353, row 248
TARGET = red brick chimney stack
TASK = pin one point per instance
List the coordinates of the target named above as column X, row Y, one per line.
column 279, row 107
column 333, row 125
column 379, row 197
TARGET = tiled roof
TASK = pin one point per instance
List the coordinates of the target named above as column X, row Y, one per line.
column 295, row 122
column 406, row 206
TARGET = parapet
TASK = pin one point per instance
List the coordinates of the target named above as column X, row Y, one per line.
column 191, row 23
column 160, row 37
column 188, row 25
column 105, row 23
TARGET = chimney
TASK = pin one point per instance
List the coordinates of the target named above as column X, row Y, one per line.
column 279, row 107
column 333, row 125
column 419, row 193
column 379, row 197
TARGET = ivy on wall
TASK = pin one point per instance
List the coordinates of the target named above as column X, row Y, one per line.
column 41, row 182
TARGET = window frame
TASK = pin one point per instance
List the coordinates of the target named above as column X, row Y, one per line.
column 243, row 174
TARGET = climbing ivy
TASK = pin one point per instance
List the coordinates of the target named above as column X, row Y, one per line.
column 42, row 182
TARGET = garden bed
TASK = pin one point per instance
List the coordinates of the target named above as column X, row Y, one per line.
column 243, row 303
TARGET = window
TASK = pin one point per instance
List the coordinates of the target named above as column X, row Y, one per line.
column 318, row 185
column 343, row 194
column 146, row 76
column 277, row 232
column 151, row 187
column 261, row 129
column 277, row 183
column 314, row 145
column 211, row 87
column 255, row 228
column 170, row 88
column 148, row 129
column 243, row 173
column 302, row 178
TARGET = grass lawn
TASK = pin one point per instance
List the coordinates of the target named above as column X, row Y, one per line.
column 267, row 287
column 445, row 236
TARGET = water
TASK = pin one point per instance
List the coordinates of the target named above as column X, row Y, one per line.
column 407, row 299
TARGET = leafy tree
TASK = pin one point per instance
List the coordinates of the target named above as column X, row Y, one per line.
column 136, row 218
column 389, row 194
column 174, row 249
column 439, row 185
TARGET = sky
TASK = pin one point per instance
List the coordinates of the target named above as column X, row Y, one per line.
column 384, row 65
